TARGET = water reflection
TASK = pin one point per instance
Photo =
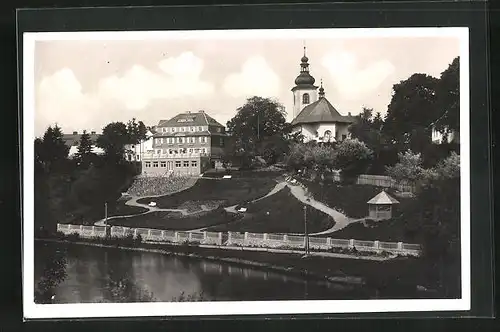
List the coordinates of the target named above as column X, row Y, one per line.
column 112, row 275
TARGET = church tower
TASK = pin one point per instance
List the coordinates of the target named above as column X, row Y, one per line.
column 304, row 91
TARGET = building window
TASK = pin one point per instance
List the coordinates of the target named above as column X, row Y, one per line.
column 221, row 141
column 138, row 157
column 186, row 163
column 148, row 164
column 190, row 150
column 178, row 139
column 203, row 139
column 155, row 164
column 218, row 129
column 203, row 150
column 194, row 163
column 177, row 163
column 173, row 129
column 163, row 164
column 305, row 98
column 200, row 128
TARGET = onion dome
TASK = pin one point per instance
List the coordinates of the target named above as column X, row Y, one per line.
column 321, row 90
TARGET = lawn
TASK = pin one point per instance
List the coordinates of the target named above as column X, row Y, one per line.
column 245, row 174
column 349, row 199
column 391, row 230
column 228, row 191
column 279, row 213
column 175, row 221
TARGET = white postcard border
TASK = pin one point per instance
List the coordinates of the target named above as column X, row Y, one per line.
column 33, row 311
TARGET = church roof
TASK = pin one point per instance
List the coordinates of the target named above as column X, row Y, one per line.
column 190, row 119
column 383, row 198
column 321, row 111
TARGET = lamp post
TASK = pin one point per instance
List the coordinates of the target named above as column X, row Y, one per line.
column 106, row 213
column 306, row 238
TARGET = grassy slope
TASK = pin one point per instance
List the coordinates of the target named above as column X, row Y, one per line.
column 285, row 216
column 175, row 221
column 231, row 191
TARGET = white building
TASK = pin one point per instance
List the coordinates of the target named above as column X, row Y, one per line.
column 133, row 152
column 439, row 138
column 313, row 115
column 72, row 141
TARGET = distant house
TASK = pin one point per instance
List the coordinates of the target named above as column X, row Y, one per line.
column 438, row 137
column 134, row 152
column 316, row 118
column 72, row 141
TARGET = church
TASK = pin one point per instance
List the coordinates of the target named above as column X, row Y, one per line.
column 313, row 115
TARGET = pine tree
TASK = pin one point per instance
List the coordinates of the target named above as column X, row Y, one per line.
column 52, row 150
column 84, row 155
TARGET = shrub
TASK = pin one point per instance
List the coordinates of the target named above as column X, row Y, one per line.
column 73, row 237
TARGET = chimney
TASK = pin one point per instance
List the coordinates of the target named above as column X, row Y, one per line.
column 92, row 132
column 349, row 113
column 202, row 111
column 188, row 112
column 75, row 133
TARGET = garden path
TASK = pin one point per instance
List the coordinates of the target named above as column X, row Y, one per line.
column 133, row 202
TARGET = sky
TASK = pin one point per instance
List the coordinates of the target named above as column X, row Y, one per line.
column 86, row 84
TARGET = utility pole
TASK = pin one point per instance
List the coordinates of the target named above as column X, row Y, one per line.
column 258, row 126
column 306, row 238
column 106, row 213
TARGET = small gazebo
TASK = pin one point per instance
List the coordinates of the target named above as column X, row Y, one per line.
column 380, row 206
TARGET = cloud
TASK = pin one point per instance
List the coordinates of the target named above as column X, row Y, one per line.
column 352, row 80
column 61, row 99
column 179, row 77
column 256, row 78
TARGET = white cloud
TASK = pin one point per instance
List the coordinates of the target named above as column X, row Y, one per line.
column 61, row 98
column 180, row 77
column 351, row 80
column 256, row 78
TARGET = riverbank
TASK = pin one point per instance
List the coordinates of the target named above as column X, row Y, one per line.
column 400, row 277
column 290, row 263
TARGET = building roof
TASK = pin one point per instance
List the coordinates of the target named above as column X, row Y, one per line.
column 74, row 139
column 321, row 111
column 383, row 198
column 188, row 133
column 189, row 119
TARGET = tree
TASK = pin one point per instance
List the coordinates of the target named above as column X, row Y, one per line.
column 448, row 99
column 113, row 140
column 325, row 158
column 51, row 151
column 258, row 126
column 300, row 156
column 352, row 158
column 412, row 110
column 54, row 273
column 409, row 168
column 136, row 131
column 84, row 154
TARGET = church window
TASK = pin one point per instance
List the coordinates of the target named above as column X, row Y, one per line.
column 305, row 98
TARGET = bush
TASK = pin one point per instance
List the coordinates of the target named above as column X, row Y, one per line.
column 73, row 237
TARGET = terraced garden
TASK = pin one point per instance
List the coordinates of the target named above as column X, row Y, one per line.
column 227, row 191
column 176, row 221
column 278, row 213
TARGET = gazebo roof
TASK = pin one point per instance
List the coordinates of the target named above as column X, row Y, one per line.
column 383, row 198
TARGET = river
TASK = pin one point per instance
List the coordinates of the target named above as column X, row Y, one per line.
column 104, row 274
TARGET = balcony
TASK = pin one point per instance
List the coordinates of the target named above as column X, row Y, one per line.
column 155, row 156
